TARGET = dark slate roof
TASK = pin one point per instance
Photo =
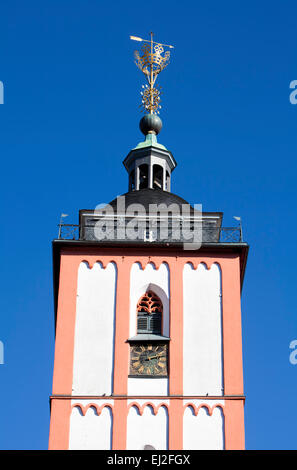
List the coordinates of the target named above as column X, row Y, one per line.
column 149, row 196
column 211, row 221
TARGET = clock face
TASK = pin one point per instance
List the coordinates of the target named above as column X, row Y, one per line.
column 149, row 360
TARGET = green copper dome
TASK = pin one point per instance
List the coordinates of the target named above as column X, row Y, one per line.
column 150, row 141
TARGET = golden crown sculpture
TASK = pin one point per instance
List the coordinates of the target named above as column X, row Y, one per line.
column 151, row 60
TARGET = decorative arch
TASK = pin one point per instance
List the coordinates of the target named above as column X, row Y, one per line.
column 203, row 427
column 95, row 406
column 91, row 427
column 94, row 317
column 202, row 330
column 154, row 408
column 147, row 424
column 156, row 262
column 209, row 409
column 146, row 277
column 149, row 314
column 103, row 263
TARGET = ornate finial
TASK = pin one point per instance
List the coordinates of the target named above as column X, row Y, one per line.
column 151, row 62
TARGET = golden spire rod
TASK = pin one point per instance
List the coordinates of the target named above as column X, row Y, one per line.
column 136, row 38
column 151, row 62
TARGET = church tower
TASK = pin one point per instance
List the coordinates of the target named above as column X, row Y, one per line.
column 148, row 351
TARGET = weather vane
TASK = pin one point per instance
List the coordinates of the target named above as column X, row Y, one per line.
column 151, row 61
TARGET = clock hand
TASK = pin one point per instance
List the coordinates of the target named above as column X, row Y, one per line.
column 149, row 358
column 154, row 357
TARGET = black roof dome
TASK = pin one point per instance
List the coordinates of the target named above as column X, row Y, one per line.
column 148, row 196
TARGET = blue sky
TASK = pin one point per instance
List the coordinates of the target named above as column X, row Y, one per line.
column 70, row 116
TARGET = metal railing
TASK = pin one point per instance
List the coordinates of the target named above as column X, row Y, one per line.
column 209, row 234
column 230, row 235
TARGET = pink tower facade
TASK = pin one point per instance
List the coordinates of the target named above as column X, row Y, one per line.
column 148, row 351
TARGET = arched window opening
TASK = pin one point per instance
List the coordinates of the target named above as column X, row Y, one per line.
column 167, row 181
column 143, row 176
column 157, row 177
column 149, row 314
column 132, row 181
